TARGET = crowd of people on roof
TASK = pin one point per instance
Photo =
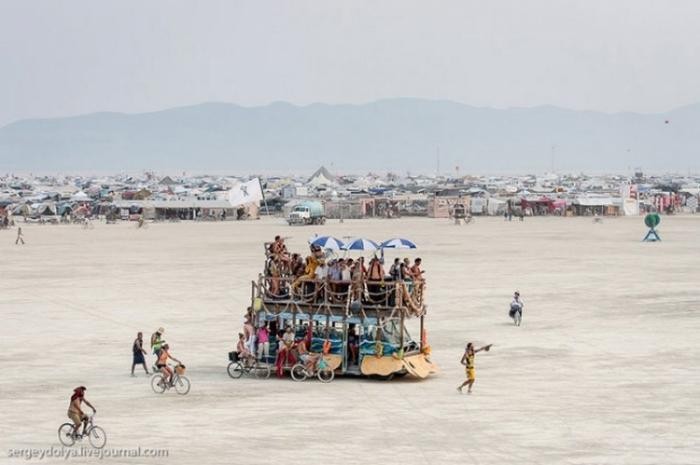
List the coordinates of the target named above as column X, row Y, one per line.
column 319, row 276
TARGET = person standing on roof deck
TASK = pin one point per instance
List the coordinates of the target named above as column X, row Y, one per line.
column 335, row 276
column 320, row 275
column 20, row 236
column 375, row 280
column 416, row 272
column 138, row 353
column 359, row 275
column 395, row 270
column 468, row 362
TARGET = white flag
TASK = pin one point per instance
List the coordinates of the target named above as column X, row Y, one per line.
column 247, row 192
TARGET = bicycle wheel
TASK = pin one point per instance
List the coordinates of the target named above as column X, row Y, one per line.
column 235, row 370
column 65, row 434
column 158, row 384
column 182, row 385
column 97, row 437
column 298, row 372
column 325, row 375
column 262, row 371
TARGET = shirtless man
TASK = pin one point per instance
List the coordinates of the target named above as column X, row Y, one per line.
column 416, row 272
column 75, row 413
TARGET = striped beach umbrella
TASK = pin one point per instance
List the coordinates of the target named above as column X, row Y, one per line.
column 361, row 244
column 328, row 242
column 398, row 243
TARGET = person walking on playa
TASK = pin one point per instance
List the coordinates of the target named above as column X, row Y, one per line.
column 139, row 352
column 516, row 308
column 20, row 236
column 468, row 362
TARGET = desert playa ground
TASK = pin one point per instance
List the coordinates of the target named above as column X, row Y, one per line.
column 604, row 369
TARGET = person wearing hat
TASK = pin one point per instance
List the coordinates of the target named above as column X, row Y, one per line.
column 157, row 340
column 75, row 413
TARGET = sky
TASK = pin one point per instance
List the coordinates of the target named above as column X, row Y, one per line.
column 69, row 57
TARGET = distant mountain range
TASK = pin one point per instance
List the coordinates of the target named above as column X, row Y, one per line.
column 400, row 135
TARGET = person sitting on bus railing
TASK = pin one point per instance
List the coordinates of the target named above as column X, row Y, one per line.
column 297, row 267
column 309, row 273
column 317, row 252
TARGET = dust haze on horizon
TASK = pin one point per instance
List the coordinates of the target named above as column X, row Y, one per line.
column 79, row 56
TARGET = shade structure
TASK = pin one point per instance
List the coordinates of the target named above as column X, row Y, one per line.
column 398, row 243
column 361, row 244
column 328, row 242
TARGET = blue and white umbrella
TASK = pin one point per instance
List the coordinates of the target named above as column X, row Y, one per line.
column 328, row 242
column 361, row 244
column 398, row 243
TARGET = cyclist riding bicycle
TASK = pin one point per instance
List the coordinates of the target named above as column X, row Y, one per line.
column 162, row 363
column 308, row 359
column 75, row 413
column 244, row 353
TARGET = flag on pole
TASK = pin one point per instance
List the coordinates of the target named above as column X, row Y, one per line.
column 246, row 192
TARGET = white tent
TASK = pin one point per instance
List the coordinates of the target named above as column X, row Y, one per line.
column 80, row 196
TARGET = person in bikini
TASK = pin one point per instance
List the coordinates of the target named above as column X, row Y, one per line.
column 75, row 413
column 162, row 363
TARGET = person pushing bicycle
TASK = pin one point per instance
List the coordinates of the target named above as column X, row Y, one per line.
column 75, row 413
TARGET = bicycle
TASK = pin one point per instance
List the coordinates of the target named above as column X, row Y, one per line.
column 321, row 371
column 180, row 382
column 96, row 435
column 238, row 367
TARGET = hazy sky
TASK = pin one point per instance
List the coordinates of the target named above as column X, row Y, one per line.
column 69, row 57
